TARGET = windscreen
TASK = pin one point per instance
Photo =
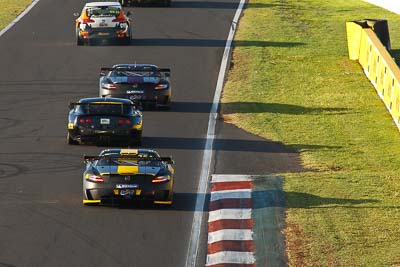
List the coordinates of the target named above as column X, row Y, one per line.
column 105, row 109
column 103, row 11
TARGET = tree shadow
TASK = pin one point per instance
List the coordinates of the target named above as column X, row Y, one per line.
column 206, row 5
column 180, row 42
column 256, row 107
column 305, row 201
column 260, row 199
column 278, row 198
column 222, row 144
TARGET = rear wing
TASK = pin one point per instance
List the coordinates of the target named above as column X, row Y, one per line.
column 87, row 159
column 104, row 71
column 166, row 72
column 73, row 104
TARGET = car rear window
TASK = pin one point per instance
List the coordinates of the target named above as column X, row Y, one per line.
column 103, row 11
column 101, row 109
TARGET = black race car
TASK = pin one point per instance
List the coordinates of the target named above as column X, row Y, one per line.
column 124, row 175
column 94, row 120
column 144, row 84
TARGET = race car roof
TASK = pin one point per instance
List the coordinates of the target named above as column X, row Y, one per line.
column 94, row 4
column 106, row 99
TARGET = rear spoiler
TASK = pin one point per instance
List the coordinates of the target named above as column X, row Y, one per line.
column 73, row 104
column 133, row 157
column 165, row 71
column 104, row 71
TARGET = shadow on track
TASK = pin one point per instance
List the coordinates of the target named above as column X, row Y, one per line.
column 261, row 199
column 256, row 107
column 261, row 146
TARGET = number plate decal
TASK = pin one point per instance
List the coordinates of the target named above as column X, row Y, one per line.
column 104, row 121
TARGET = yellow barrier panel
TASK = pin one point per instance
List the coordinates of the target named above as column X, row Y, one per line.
column 378, row 65
column 353, row 39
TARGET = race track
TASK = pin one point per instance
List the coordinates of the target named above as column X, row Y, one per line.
column 42, row 219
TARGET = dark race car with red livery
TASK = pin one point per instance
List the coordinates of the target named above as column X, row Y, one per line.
column 145, row 84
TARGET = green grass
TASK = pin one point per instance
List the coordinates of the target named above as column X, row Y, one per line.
column 292, row 81
column 10, row 9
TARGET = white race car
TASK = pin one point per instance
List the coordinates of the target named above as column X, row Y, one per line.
column 103, row 20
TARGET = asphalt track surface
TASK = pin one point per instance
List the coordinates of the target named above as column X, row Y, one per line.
column 42, row 219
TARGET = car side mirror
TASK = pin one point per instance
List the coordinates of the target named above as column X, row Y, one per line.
column 76, row 14
column 128, row 13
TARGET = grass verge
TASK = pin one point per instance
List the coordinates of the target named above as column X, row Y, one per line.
column 10, row 9
column 292, row 81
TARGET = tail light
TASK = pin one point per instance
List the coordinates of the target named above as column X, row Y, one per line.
column 85, row 121
column 87, row 20
column 95, row 178
column 124, row 121
column 120, row 18
column 161, row 86
column 109, row 86
column 161, row 179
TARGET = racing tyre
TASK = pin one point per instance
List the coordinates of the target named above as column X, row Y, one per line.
column 79, row 41
column 70, row 140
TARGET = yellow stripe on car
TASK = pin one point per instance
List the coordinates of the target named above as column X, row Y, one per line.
column 128, row 170
column 163, row 202
column 128, row 152
column 138, row 126
column 87, row 201
column 108, row 103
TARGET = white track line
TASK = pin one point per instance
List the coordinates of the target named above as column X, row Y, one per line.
column 229, row 214
column 230, row 257
column 230, row 234
column 224, row 194
column 217, row 178
column 194, row 241
column 12, row 23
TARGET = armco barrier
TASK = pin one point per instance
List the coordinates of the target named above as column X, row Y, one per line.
column 378, row 65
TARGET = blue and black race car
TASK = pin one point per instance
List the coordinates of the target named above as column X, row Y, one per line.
column 98, row 120
column 124, row 175
column 144, row 84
